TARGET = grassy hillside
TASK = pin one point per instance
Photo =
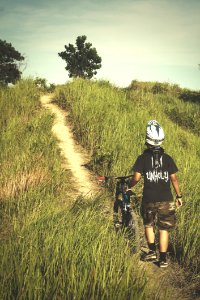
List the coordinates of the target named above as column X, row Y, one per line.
column 111, row 122
column 53, row 246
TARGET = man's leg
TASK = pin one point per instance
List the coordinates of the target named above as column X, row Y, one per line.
column 164, row 240
column 150, row 235
column 166, row 222
column 148, row 214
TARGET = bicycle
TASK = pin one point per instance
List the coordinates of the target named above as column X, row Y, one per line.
column 124, row 217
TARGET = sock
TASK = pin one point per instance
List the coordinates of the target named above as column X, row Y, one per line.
column 163, row 256
column 152, row 246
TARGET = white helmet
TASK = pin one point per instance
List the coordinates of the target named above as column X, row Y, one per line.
column 154, row 134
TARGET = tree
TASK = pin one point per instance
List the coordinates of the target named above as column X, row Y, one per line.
column 82, row 60
column 9, row 63
column 42, row 85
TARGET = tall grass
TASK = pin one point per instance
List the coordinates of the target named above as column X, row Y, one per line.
column 71, row 254
column 53, row 246
column 111, row 123
column 28, row 150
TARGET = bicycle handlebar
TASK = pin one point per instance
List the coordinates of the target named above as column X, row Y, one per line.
column 101, row 178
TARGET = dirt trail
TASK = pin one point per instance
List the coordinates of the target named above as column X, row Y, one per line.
column 74, row 154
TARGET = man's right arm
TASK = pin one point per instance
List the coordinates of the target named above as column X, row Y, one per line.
column 135, row 179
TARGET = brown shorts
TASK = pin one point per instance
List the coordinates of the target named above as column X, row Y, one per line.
column 161, row 214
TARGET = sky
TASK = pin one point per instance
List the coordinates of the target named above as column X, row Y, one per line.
column 145, row 40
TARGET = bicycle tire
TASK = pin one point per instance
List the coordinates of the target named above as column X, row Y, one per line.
column 131, row 228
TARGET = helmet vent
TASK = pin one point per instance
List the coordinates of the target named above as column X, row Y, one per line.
column 154, row 133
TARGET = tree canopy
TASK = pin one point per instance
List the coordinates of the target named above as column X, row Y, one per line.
column 9, row 63
column 82, row 60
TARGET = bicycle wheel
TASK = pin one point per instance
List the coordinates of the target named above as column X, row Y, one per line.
column 131, row 229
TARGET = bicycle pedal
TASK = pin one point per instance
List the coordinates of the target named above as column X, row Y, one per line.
column 117, row 225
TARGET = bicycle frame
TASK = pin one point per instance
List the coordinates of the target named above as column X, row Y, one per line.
column 128, row 222
column 122, row 199
column 122, row 202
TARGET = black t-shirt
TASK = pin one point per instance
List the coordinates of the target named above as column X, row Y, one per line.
column 156, row 175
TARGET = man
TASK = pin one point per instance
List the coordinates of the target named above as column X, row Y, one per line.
column 158, row 170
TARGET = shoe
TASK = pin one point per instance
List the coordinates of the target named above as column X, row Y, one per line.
column 150, row 256
column 163, row 264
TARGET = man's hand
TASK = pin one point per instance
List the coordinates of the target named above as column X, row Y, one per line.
column 179, row 201
column 129, row 193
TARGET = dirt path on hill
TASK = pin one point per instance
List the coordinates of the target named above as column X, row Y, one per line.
column 74, row 155
column 172, row 279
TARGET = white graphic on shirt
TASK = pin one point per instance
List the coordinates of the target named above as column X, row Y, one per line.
column 155, row 176
column 160, row 163
column 152, row 161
